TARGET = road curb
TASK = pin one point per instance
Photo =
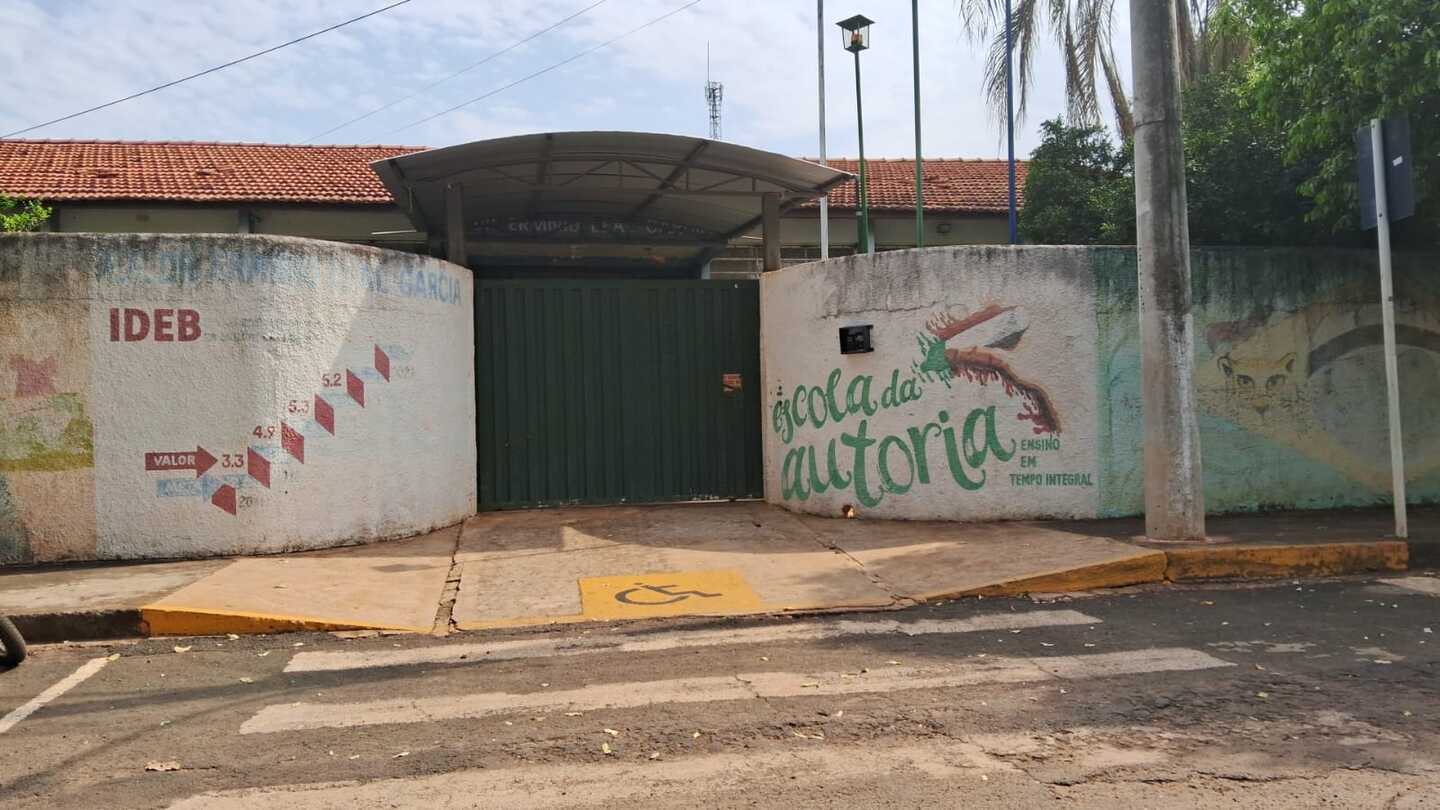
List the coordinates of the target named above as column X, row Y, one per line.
column 1137, row 569
column 186, row 621
column 80, row 625
column 1147, row 566
column 1300, row 560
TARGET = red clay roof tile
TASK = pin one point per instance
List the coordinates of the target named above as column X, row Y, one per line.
column 951, row 184
column 182, row 171
column 193, row 172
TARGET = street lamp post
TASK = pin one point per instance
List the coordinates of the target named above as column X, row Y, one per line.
column 857, row 39
column 919, row 172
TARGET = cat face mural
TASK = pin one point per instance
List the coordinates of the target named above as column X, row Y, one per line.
column 1313, row 379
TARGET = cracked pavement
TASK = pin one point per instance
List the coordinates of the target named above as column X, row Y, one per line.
column 1282, row 694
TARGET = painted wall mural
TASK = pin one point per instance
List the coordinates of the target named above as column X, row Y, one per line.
column 1289, row 380
column 961, row 411
column 193, row 396
column 1025, row 389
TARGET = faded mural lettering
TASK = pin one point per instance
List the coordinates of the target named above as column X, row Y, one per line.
column 179, row 396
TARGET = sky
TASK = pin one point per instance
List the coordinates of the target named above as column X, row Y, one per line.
column 60, row 56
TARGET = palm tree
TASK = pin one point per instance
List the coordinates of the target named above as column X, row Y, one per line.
column 1082, row 30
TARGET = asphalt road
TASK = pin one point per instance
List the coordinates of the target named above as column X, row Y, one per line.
column 1314, row 694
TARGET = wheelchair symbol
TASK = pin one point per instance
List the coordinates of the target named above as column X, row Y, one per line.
column 627, row 596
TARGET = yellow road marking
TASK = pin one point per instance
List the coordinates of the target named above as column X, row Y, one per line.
column 171, row 620
column 667, row 593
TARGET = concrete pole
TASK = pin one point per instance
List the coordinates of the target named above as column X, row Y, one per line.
column 824, row 201
column 770, row 228
column 1174, row 492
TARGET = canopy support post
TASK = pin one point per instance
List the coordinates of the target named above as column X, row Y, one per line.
column 455, row 225
column 770, row 227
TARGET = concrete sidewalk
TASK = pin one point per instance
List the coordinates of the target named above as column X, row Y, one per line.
column 554, row 566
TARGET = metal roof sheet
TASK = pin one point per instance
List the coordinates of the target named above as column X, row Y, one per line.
column 689, row 188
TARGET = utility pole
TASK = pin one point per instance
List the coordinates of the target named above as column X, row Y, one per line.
column 1174, row 492
column 824, row 201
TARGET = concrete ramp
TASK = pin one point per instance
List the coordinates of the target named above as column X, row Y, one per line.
column 617, row 563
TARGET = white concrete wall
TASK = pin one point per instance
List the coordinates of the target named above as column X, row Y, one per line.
column 981, row 390
column 332, row 384
column 1289, row 380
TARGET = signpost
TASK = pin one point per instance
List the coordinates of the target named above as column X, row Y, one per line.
column 1387, row 193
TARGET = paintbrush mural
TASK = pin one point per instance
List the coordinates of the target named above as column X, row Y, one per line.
column 972, row 348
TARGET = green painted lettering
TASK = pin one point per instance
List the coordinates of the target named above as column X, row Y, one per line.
column 860, row 443
column 857, row 396
column 792, row 487
column 831, row 383
column 952, row 456
column 816, row 396
column 886, row 479
column 917, row 444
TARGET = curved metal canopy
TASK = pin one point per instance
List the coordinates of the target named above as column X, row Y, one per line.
column 629, row 187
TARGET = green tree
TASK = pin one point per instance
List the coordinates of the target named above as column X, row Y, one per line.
column 21, row 215
column 1321, row 68
column 1239, row 187
column 1079, row 189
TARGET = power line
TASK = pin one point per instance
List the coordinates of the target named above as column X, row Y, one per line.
column 471, row 67
column 543, row 71
column 205, row 72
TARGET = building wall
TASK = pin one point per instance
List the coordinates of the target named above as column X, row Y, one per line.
column 385, row 226
column 800, row 237
column 189, row 396
column 1005, row 382
column 378, row 225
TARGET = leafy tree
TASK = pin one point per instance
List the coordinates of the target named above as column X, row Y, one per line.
column 1321, row 68
column 21, row 215
column 1238, row 185
column 1079, row 189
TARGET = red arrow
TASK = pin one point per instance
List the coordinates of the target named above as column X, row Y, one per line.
column 199, row 461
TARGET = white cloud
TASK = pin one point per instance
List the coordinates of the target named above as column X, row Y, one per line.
column 57, row 58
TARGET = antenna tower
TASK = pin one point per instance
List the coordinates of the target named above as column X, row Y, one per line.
column 714, row 95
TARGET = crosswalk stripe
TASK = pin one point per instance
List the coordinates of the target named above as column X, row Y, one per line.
column 303, row 716
column 542, row 787
column 1430, row 585
column 808, row 631
column 57, row 689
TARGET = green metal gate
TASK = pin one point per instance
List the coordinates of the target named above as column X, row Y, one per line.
column 617, row 391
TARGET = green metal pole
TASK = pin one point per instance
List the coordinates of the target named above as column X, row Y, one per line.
column 919, row 173
column 865, row 244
